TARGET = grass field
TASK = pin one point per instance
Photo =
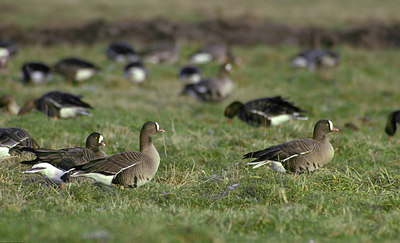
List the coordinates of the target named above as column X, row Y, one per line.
column 202, row 190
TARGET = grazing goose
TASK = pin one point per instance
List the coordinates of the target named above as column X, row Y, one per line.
column 8, row 104
column 53, row 163
column 267, row 111
column 12, row 139
column 212, row 89
column 218, row 52
column 315, row 58
column 58, row 104
column 121, row 51
column 131, row 168
column 76, row 69
column 300, row 155
column 190, row 74
column 135, row 71
column 36, row 72
column 391, row 125
column 7, row 49
column 166, row 51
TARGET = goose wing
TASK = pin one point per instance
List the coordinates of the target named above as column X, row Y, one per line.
column 284, row 151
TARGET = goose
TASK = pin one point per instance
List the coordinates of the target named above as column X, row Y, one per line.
column 391, row 124
column 12, row 139
column 36, row 72
column 58, row 104
column 53, row 163
column 315, row 58
column 164, row 51
column 135, row 71
column 132, row 169
column 212, row 89
column 300, row 155
column 190, row 74
column 7, row 49
column 8, row 104
column 218, row 52
column 121, row 51
column 267, row 111
column 75, row 69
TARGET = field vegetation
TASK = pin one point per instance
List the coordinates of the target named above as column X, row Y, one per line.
column 202, row 190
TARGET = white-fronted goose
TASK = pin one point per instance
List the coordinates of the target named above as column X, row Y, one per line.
column 135, row 72
column 315, row 58
column 76, row 69
column 53, row 163
column 58, row 104
column 300, row 155
column 121, row 51
column 391, row 124
column 190, row 74
column 8, row 104
column 218, row 52
column 36, row 72
column 12, row 139
column 131, row 168
column 212, row 89
column 267, row 111
column 165, row 51
column 7, row 49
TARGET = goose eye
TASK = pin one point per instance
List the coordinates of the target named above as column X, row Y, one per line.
column 154, row 125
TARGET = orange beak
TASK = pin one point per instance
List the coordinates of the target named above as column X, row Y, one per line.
column 335, row 129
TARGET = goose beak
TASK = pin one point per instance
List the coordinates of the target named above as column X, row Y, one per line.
column 160, row 130
column 335, row 129
column 102, row 143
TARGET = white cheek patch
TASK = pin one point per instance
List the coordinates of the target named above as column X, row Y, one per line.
column 330, row 125
column 101, row 138
column 157, row 126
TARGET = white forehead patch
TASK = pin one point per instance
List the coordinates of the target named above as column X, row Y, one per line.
column 157, row 126
column 330, row 125
column 101, row 138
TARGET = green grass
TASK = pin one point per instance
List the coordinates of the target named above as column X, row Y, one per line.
column 339, row 13
column 202, row 191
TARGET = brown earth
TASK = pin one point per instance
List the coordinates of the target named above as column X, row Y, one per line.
column 243, row 30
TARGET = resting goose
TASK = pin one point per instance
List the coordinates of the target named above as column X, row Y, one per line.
column 12, row 139
column 315, row 58
column 165, row 51
column 212, row 89
column 121, row 51
column 76, row 69
column 58, row 104
column 36, row 72
column 8, row 104
column 190, row 74
column 218, row 52
column 300, row 155
column 7, row 49
column 391, row 125
column 135, row 72
column 132, row 169
column 267, row 111
column 53, row 163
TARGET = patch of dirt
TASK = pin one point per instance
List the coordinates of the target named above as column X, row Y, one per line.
column 237, row 31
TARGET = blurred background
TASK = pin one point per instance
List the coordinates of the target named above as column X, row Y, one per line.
column 366, row 22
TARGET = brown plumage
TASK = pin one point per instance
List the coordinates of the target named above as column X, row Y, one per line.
column 8, row 104
column 66, row 158
column 300, row 155
column 12, row 139
column 131, row 168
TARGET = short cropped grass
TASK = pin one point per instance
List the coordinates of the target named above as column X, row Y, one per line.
column 202, row 190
